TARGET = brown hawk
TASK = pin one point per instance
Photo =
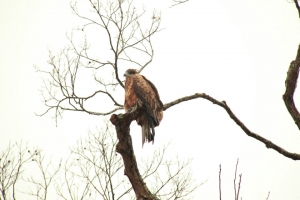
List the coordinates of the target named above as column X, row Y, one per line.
column 139, row 91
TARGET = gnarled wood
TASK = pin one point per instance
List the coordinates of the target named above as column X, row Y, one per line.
column 290, row 85
column 124, row 147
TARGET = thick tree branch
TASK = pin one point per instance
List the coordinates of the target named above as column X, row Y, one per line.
column 124, row 147
column 291, row 84
column 223, row 104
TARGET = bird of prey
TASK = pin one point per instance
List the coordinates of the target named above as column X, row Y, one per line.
column 139, row 91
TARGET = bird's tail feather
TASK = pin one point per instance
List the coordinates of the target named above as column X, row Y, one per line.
column 147, row 127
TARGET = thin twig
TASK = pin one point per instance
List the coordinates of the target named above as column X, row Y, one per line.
column 220, row 183
column 177, row 2
column 238, row 192
column 268, row 195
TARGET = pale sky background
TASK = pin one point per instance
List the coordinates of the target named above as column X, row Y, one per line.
column 238, row 51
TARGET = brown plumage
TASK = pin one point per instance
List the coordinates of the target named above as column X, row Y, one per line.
column 140, row 91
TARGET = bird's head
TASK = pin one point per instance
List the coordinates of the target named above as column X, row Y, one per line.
column 130, row 72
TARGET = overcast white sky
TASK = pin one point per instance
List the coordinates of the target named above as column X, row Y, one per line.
column 232, row 50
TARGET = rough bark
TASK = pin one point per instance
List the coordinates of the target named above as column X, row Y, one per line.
column 291, row 84
column 124, row 147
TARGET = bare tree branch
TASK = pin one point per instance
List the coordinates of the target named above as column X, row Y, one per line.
column 124, row 147
column 268, row 195
column 181, row 180
column 220, row 190
column 128, row 40
column 95, row 170
column 297, row 6
column 223, row 104
column 291, row 84
column 177, row 2
column 12, row 161
column 99, row 168
column 49, row 173
column 237, row 191
column 178, row 182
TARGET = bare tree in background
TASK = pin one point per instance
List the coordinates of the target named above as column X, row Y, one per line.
column 12, row 161
column 94, row 171
column 236, row 185
column 127, row 41
column 45, row 174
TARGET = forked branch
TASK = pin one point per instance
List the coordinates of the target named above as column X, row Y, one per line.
column 237, row 190
column 128, row 41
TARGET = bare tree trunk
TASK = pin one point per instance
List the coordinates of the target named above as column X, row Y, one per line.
column 124, row 147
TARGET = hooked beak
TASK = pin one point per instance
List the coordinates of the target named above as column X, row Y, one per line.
column 126, row 74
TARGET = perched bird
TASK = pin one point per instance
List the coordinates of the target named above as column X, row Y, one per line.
column 139, row 91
